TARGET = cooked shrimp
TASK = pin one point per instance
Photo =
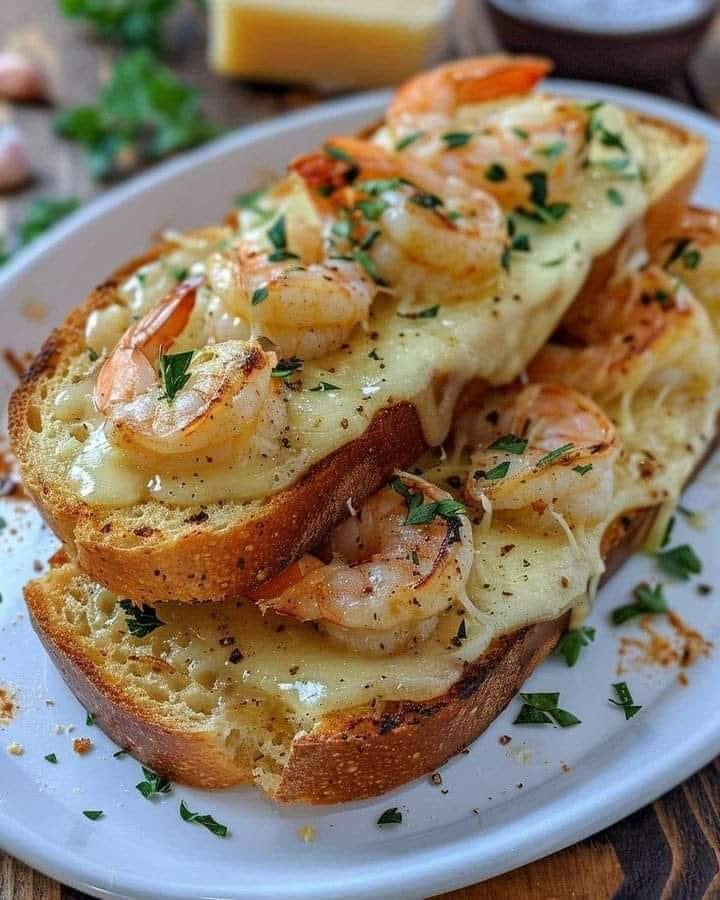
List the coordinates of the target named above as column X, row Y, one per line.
column 388, row 580
column 423, row 233
column 544, row 447
column 218, row 393
column 447, row 118
column 693, row 254
column 282, row 280
column 643, row 330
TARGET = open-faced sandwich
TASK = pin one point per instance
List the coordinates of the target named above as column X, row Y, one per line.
column 393, row 423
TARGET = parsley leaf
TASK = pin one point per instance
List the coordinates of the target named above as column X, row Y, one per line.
column 573, row 641
column 142, row 113
column 286, row 367
column 681, row 562
column 259, row 294
column 455, row 139
column 553, row 455
column 583, row 470
column 93, row 814
column 43, row 214
column 647, row 600
column 542, row 709
column 90, row 719
column 430, row 312
column 510, row 443
column 496, row 172
column 419, row 512
column 552, row 151
column 495, row 474
column 624, row 699
column 372, row 208
column 207, row 821
column 408, row 139
column 391, row 816
column 277, row 234
column 690, row 258
column 140, row 620
column 133, row 23
column 51, row 758
column 153, row 784
column 325, row 386
column 615, row 197
column 174, row 371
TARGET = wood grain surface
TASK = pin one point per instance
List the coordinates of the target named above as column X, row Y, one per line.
column 668, row 850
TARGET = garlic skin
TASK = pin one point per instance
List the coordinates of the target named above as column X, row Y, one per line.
column 14, row 159
column 21, row 78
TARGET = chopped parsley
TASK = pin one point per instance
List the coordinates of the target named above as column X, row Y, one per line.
column 259, row 294
column 391, row 816
column 372, row 208
column 143, row 112
column 553, row 455
column 51, row 758
column 668, row 532
column 343, row 156
column 542, row 211
column 496, row 172
column 681, row 562
column 286, row 367
column 455, row 139
column 153, row 784
column 690, row 258
column 510, row 443
column 408, row 139
column 205, row 820
column 495, row 474
column 325, row 386
column 427, row 201
column 552, row 151
column 624, row 699
column 140, row 620
column 647, row 601
column 373, row 354
column 90, row 719
column 120, row 754
column 93, row 814
column 520, row 133
column 615, row 197
column 421, row 513
column 368, row 263
column 543, row 709
column 277, row 234
column 573, row 641
column 583, row 470
column 251, row 200
column 430, row 312
column 174, row 371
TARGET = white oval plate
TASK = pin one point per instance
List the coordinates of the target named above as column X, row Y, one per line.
column 498, row 806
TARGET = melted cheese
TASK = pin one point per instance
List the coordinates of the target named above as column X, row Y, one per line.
column 424, row 361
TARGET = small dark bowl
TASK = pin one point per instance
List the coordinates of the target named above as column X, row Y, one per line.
column 640, row 57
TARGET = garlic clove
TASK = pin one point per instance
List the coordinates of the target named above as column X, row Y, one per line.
column 14, row 159
column 21, row 78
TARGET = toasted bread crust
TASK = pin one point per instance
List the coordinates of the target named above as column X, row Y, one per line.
column 351, row 755
column 199, row 563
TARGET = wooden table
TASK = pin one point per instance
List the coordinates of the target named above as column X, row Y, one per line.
column 670, row 849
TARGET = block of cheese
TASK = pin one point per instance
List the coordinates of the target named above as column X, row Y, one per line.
column 327, row 43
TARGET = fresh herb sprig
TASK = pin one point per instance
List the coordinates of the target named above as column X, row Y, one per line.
column 143, row 112
column 132, row 23
column 681, row 562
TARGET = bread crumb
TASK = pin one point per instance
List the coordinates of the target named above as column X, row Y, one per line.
column 683, row 679
column 565, row 767
column 307, row 833
column 82, row 746
column 504, row 740
column 436, row 778
column 15, row 749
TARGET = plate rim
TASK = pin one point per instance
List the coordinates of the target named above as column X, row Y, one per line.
column 453, row 864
